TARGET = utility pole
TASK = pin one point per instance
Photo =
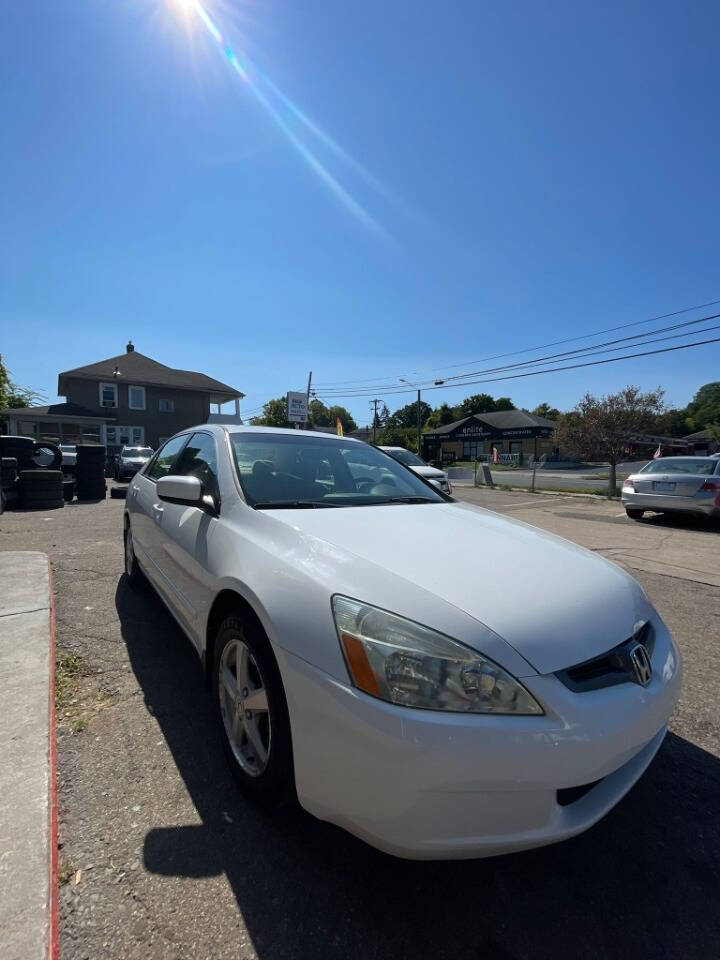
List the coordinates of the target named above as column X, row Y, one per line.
column 373, row 404
column 307, row 399
column 419, row 425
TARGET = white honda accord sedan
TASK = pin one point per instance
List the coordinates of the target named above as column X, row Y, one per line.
column 504, row 696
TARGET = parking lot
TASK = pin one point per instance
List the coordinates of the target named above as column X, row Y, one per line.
column 166, row 860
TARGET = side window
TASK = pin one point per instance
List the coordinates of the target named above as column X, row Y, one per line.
column 164, row 458
column 199, row 459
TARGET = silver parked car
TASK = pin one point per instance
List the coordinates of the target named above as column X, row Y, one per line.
column 674, row 485
column 130, row 460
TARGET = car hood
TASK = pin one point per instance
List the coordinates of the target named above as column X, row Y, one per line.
column 432, row 473
column 556, row 603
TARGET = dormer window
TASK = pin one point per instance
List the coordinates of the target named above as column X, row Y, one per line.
column 108, row 395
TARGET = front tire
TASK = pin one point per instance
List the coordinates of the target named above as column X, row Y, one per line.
column 634, row 514
column 252, row 713
column 135, row 576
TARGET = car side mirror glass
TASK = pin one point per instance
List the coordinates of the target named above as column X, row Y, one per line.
column 182, row 489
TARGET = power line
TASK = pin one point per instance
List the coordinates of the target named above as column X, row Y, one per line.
column 592, row 350
column 512, row 353
column 595, row 347
column 574, row 366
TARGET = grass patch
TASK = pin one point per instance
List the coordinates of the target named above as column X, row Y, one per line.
column 69, row 668
column 75, row 700
column 66, row 870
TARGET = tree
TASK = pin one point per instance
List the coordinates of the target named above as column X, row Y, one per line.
column 346, row 418
column 504, row 403
column 380, row 419
column 407, row 416
column 713, row 430
column 398, row 437
column 671, row 423
column 477, row 403
column 440, row 416
column 704, row 408
column 599, row 428
column 12, row 395
column 319, row 414
column 545, row 410
column 274, row 414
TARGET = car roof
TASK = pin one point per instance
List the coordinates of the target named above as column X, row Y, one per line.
column 223, row 429
column 682, row 456
column 306, row 434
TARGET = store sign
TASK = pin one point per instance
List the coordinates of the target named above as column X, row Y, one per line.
column 297, row 411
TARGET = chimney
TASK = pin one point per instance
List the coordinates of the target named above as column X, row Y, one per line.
column 129, row 348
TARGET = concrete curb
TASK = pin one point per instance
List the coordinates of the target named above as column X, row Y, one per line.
column 28, row 784
column 53, row 942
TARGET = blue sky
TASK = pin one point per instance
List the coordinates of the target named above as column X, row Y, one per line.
column 546, row 170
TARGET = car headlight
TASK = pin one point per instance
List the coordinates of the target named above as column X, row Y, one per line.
column 405, row 663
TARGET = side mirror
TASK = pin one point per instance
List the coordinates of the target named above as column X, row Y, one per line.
column 180, row 489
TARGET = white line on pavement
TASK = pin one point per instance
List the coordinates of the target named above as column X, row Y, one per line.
column 534, row 503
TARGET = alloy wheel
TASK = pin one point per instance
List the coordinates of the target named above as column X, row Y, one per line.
column 244, row 707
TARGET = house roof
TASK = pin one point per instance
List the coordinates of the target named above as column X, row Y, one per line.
column 64, row 411
column 698, row 435
column 135, row 367
column 499, row 419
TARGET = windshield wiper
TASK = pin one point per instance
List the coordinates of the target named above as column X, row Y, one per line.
column 292, row 504
column 411, row 500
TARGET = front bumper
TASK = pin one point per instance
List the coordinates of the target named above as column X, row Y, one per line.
column 702, row 503
column 428, row 785
column 129, row 470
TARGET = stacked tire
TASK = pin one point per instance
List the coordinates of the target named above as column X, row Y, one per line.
column 8, row 483
column 41, row 489
column 90, row 471
column 21, row 449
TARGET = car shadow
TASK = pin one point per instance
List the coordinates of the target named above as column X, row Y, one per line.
column 682, row 521
column 643, row 883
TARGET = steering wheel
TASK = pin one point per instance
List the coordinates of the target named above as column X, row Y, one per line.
column 361, row 483
column 386, row 488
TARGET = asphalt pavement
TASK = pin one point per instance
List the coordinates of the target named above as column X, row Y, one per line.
column 169, row 861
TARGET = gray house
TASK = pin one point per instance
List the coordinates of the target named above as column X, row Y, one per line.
column 128, row 399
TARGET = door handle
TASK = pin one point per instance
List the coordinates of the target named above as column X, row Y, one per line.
column 157, row 508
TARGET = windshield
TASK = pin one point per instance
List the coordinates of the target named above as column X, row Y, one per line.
column 407, row 456
column 283, row 470
column 136, row 452
column 703, row 466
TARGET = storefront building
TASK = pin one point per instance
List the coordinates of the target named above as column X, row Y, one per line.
column 517, row 436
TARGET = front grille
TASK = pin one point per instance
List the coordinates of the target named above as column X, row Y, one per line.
column 569, row 795
column 609, row 668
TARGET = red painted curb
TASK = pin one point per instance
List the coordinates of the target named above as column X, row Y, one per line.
column 53, row 947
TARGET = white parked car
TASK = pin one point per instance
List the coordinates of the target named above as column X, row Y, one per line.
column 412, row 460
column 69, row 454
column 504, row 696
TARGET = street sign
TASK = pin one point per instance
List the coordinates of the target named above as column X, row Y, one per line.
column 297, row 407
